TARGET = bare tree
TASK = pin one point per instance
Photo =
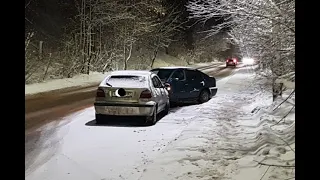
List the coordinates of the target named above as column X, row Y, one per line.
column 166, row 24
column 262, row 29
column 106, row 35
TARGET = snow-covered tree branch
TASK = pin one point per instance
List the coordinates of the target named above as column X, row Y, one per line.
column 263, row 30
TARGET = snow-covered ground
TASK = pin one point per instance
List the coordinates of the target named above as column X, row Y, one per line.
column 229, row 137
column 82, row 80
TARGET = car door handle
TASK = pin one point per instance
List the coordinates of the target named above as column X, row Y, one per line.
column 202, row 82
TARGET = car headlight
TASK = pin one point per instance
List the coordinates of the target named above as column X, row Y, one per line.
column 247, row 61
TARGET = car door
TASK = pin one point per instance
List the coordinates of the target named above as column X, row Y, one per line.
column 195, row 83
column 157, row 92
column 163, row 93
column 178, row 83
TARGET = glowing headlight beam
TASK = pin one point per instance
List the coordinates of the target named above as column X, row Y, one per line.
column 247, row 61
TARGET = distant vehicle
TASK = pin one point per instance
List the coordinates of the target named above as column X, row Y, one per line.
column 232, row 62
column 248, row 61
column 131, row 93
column 187, row 84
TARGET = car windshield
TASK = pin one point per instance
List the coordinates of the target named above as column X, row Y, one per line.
column 163, row 73
column 128, row 81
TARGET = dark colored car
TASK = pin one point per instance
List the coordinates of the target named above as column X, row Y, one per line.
column 232, row 62
column 186, row 84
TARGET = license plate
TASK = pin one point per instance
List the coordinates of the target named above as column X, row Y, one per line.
column 128, row 95
column 111, row 111
column 120, row 111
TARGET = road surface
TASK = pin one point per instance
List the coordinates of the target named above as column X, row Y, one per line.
column 60, row 145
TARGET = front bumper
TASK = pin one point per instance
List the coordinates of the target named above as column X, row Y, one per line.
column 124, row 109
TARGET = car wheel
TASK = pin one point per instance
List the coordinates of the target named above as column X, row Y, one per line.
column 99, row 118
column 166, row 109
column 152, row 119
column 204, row 96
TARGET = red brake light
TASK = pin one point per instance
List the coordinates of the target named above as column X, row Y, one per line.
column 100, row 93
column 234, row 60
column 146, row 94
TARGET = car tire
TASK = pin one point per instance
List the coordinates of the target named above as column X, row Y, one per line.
column 152, row 120
column 99, row 118
column 204, row 96
column 166, row 109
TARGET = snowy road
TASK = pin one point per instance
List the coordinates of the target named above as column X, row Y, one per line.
column 76, row 149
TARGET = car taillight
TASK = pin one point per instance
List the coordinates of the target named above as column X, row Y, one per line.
column 100, row 93
column 234, row 60
column 146, row 94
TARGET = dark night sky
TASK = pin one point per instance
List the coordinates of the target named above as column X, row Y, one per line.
column 49, row 17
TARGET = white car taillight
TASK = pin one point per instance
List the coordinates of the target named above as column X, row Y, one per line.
column 100, row 93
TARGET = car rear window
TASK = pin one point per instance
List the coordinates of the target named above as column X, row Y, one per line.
column 128, row 81
column 163, row 74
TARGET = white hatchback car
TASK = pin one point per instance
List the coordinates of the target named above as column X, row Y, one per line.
column 131, row 93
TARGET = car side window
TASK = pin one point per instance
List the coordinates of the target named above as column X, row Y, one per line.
column 193, row 75
column 179, row 74
column 156, row 82
column 204, row 76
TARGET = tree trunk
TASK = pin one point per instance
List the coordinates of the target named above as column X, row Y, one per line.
column 84, row 36
column 129, row 56
column 124, row 55
column 155, row 53
column 40, row 49
column 89, row 40
column 47, row 68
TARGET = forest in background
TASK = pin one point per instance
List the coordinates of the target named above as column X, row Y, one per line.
column 66, row 38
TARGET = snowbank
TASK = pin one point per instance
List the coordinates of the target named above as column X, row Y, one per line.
column 236, row 135
column 83, row 80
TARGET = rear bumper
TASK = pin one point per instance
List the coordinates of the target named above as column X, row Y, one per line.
column 124, row 109
column 231, row 64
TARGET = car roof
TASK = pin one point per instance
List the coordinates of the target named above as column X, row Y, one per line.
column 175, row 67
column 131, row 72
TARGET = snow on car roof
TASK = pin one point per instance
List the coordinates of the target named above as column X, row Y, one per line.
column 120, row 79
column 130, row 72
column 175, row 67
